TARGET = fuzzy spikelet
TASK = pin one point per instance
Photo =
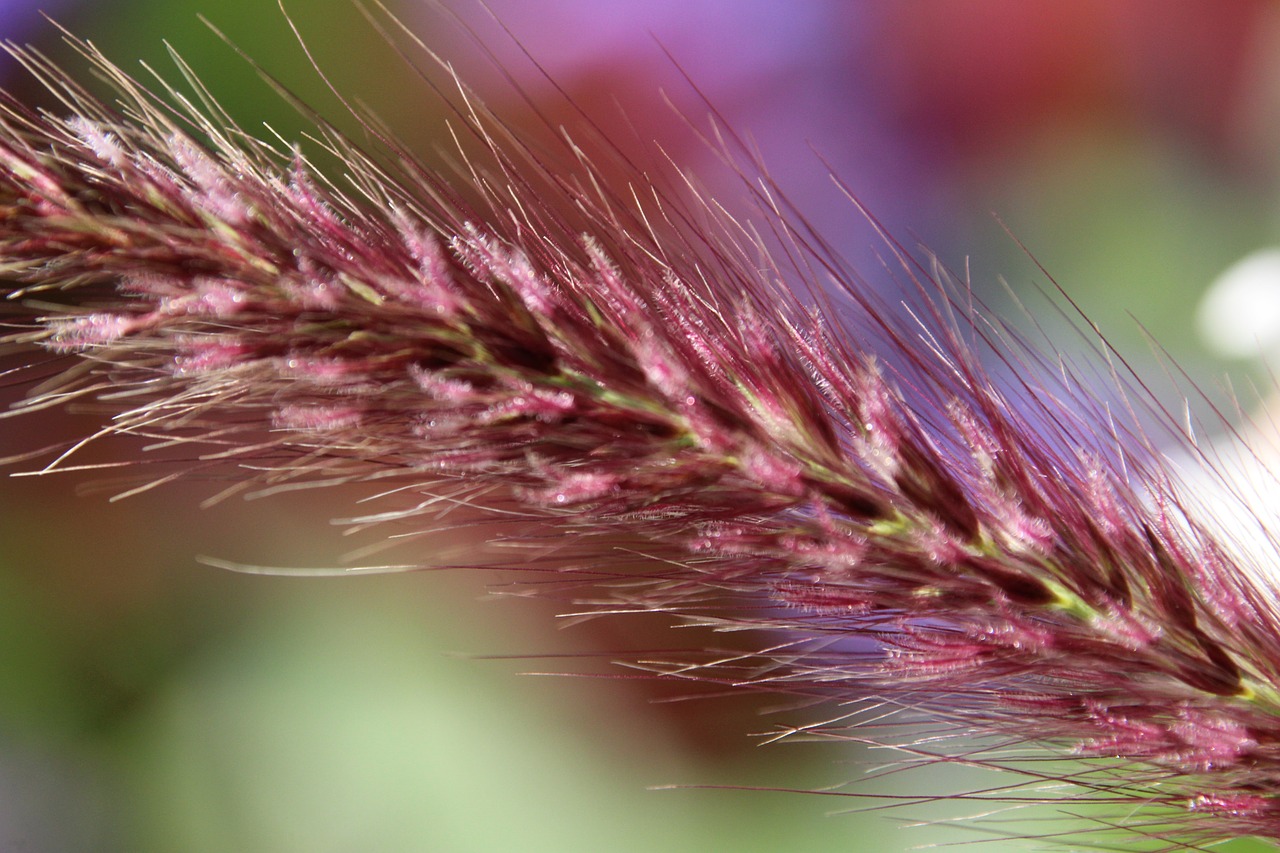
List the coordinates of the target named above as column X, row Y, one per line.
column 627, row 367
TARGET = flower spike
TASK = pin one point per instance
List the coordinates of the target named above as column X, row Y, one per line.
column 635, row 363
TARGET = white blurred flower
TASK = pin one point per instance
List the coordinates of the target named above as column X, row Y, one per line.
column 1240, row 315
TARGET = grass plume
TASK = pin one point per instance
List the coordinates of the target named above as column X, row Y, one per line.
column 601, row 359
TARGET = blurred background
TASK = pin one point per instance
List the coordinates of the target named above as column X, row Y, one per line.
column 152, row 703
